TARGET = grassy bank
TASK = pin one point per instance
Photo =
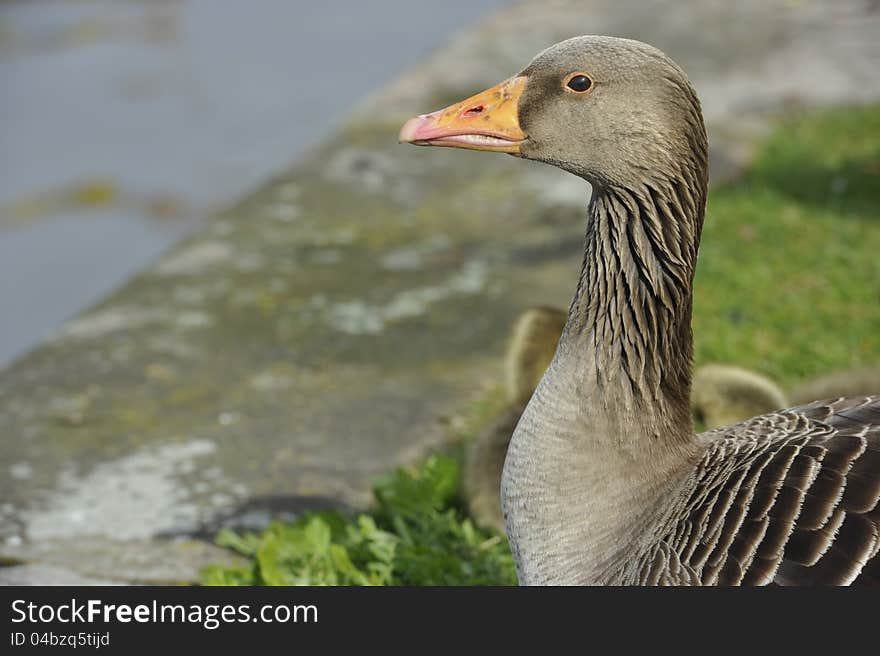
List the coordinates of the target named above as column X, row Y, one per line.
column 788, row 284
column 788, row 280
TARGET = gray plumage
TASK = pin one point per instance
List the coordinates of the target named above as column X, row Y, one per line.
column 721, row 395
column 605, row 481
column 789, row 498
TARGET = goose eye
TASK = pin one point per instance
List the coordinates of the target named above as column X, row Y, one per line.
column 579, row 83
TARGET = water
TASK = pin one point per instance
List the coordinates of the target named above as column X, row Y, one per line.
column 124, row 123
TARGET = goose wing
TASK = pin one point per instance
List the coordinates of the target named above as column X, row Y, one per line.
column 788, row 498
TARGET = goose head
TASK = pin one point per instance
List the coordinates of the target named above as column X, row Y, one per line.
column 609, row 110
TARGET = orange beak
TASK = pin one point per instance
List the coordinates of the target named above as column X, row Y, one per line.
column 486, row 121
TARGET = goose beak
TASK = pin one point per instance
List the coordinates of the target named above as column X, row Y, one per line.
column 486, row 121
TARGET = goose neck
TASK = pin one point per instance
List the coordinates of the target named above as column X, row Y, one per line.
column 628, row 333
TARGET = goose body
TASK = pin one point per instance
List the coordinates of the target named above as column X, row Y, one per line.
column 605, row 481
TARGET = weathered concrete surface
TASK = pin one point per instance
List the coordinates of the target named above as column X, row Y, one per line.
column 336, row 322
column 43, row 575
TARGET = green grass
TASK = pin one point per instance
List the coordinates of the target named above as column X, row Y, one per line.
column 788, row 284
column 788, row 280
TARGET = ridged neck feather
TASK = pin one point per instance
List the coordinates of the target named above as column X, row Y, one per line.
column 630, row 321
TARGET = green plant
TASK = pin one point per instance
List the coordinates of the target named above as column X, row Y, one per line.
column 416, row 535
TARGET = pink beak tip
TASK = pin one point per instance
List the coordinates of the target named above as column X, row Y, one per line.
column 415, row 129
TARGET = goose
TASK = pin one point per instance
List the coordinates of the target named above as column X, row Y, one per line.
column 605, row 481
column 722, row 394
column 529, row 352
column 532, row 344
column 850, row 382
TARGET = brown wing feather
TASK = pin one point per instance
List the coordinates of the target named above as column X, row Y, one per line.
column 789, row 498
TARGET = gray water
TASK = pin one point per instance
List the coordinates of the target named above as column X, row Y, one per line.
column 124, row 123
